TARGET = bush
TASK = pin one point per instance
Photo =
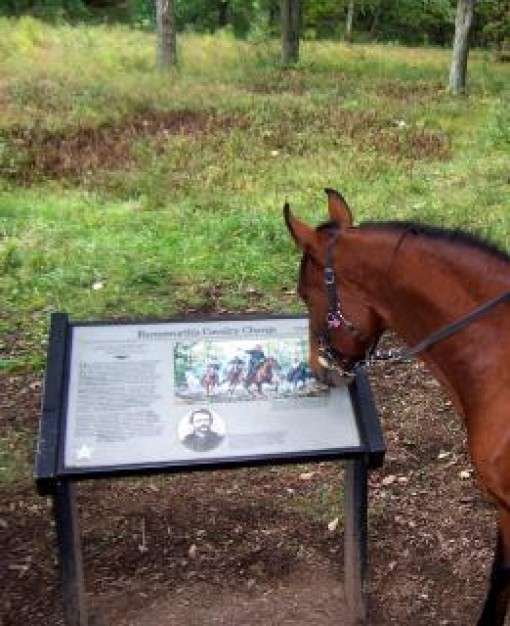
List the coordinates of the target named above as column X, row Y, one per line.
column 53, row 11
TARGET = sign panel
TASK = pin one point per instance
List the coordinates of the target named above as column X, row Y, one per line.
column 198, row 391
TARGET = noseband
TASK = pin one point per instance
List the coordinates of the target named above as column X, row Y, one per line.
column 332, row 359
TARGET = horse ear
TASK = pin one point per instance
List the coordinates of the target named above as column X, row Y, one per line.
column 339, row 210
column 305, row 236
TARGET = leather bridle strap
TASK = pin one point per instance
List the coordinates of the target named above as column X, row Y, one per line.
column 442, row 333
column 335, row 317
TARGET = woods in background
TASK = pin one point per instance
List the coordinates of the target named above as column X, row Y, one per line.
column 407, row 22
column 457, row 23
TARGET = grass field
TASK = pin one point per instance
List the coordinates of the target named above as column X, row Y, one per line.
column 128, row 193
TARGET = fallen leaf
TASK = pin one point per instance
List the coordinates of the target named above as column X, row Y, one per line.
column 388, row 480
column 306, row 475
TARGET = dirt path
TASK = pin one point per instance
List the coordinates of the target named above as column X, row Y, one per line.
column 297, row 600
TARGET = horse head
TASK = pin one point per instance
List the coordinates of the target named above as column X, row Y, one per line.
column 344, row 325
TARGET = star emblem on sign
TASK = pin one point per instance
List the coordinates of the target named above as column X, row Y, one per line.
column 83, row 453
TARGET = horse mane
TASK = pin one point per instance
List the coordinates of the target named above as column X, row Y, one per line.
column 451, row 235
column 439, row 233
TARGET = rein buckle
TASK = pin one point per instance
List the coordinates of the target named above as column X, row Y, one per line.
column 329, row 276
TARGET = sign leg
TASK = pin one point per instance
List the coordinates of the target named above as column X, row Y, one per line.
column 355, row 539
column 70, row 556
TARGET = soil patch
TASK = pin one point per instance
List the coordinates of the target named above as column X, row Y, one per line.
column 77, row 154
column 81, row 155
column 394, row 137
column 412, row 93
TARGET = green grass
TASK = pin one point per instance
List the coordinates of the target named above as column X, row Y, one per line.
column 125, row 192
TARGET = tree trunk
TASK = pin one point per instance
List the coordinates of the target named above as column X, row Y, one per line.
column 458, row 68
column 290, row 19
column 222, row 13
column 167, row 37
column 349, row 20
column 375, row 18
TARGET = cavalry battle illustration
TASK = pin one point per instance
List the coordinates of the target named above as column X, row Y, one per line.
column 243, row 370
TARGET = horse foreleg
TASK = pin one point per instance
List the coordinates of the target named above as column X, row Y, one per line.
column 496, row 603
column 498, row 596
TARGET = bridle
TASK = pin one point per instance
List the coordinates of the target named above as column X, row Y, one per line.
column 329, row 357
column 332, row 359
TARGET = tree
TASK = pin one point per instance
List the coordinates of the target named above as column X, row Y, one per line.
column 222, row 13
column 493, row 26
column 349, row 20
column 167, row 37
column 463, row 23
column 290, row 20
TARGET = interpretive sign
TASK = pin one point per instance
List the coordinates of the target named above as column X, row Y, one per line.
column 140, row 395
column 137, row 397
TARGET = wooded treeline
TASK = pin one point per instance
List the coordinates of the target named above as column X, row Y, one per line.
column 403, row 21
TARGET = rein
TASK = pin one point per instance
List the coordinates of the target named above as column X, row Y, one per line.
column 443, row 333
column 330, row 357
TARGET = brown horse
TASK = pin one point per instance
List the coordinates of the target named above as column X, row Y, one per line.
column 265, row 373
column 446, row 294
column 234, row 377
column 210, row 380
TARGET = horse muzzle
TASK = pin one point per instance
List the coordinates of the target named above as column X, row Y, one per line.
column 335, row 366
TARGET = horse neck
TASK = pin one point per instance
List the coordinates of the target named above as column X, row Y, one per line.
column 441, row 282
column 418, row 285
